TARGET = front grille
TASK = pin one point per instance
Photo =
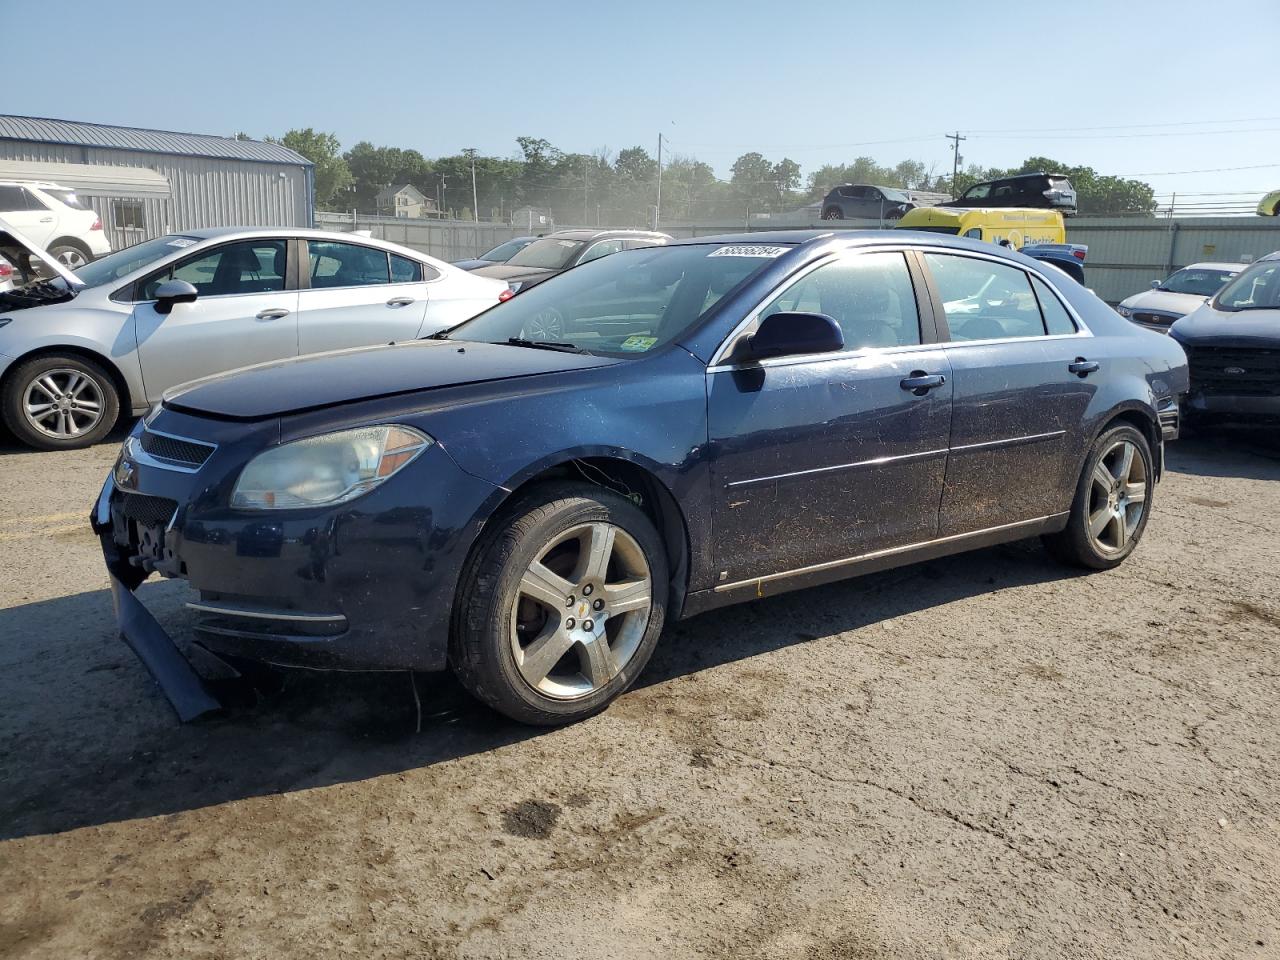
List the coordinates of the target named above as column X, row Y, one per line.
column 149, row 511
column 1155, row 319
column 187, row 452
column 1235, row 371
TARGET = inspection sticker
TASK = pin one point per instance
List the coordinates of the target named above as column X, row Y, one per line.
column 638, row 344
column 182, row 242
column 748, row 250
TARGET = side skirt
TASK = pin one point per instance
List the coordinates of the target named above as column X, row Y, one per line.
column 725, row 594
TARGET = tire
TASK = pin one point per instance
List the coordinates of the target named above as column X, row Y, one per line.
column 69, row 387
column 1112, row 502
column 499, row 629
column 833, row 213
column 71, row 254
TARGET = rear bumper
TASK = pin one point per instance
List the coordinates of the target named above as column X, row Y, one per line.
column 1235, row 407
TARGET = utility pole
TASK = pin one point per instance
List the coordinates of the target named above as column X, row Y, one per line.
column 475, row 203
column 955, row 164
column 657, row 210
column 586, row 186
column 442, row 194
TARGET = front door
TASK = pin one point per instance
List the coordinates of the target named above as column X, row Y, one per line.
column 828, row 457
column 358, row 296
column 244, row 314
column 1017, row 359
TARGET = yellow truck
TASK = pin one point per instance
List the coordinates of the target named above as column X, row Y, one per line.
column 1015, row 225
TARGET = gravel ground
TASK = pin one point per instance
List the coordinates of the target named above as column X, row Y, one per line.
column 986, row 756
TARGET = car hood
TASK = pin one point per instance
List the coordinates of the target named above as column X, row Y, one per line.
column 9, row 237
column 365, row 373
column 1163, row 301
column 1229, row 328
column 505, row 271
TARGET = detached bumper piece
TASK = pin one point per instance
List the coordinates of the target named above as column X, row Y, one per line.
column 190, row 695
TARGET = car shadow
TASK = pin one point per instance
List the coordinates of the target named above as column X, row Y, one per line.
column 85, row 738
column 1230, row 450
column 11, row 445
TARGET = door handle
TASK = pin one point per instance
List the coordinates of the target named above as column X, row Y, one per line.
column 399, row 301
column 920, row 382
column 1082, row 367
column 273, row 314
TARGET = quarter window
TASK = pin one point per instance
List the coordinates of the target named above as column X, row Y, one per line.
column 984, row 300
column 869, row 295
column 335, row 264
column 1056, row 319
column 251, row 266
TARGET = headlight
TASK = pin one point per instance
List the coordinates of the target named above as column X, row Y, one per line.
column 328, row 469
column 1124, row 311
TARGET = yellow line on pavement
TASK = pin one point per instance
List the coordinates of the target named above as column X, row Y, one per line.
column 45, row 532
column 47, row 518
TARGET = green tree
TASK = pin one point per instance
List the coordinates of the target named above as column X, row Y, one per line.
column 373, row 168
column 636, row 165
column 332, row 175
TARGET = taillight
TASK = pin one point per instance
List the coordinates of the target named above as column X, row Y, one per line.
column 1079, row 254
column 505, row 295
column 97, row 224
column 6, row 271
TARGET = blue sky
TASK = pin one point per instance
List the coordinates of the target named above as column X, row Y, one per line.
column 1102, row 83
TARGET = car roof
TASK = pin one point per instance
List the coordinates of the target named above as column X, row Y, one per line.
column 1215, row 265
column 598, row 234
column 853, row 238
column 305, row 233
column 42, row 184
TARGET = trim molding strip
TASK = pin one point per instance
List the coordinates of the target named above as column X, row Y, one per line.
column 819, row 471
column 876, row 554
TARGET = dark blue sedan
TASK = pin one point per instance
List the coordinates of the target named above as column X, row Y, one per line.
column 529, row 498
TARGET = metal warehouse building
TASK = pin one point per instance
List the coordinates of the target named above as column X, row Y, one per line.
column 146, row 183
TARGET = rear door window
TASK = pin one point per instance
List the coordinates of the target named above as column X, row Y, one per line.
column 335, row 264
column 985, row 300
column 11, row 200
column 404, row 270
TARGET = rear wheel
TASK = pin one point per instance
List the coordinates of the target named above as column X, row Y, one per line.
column 1112, row 502
column 59, row 402
column 70, row 254
column 833, row 213
column 561, row 605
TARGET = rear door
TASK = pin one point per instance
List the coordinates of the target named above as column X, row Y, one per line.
column 28, row 214
column 246, row 313
column 1019, row 403
column 826, row 457
column 354, row 295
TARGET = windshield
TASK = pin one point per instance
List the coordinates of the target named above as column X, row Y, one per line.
column 1200, row 282
column 505, row 251
column 123, row 262
column 547, row 253
column 626, row 304
column 1257, row 288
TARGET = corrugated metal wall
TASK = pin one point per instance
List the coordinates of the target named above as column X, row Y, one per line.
column 206, row 192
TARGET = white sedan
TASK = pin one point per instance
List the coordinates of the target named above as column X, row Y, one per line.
column 79, row 349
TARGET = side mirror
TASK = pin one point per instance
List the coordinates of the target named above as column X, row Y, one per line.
column 791, row 334
column 174, row 291
column 1155, row 284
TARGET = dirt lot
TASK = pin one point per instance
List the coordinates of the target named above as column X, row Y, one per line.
column 982, row 757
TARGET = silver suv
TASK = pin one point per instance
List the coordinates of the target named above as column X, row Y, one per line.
column 77, row 349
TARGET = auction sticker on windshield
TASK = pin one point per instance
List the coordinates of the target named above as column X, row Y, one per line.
column 638, row 344
column 748, row 250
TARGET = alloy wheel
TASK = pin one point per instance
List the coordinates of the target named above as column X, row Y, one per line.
column 581, row 611
column 1117, row 496
column 71, row 258
column 546, row 324
column 63, row 403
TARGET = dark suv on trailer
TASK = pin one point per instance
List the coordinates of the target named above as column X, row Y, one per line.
column 1051, row 190
column 1233, row 347
column 859, row 201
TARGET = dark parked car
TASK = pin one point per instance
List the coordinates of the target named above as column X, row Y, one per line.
column 560, row 251
column 720, row 419
column 1051, row 190
column 858, row 201
column 499, row 254
column 1233, row 345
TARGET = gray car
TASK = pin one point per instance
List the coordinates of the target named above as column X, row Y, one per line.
column 78, row 349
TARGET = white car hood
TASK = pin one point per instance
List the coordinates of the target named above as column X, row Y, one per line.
column 1163, row 301
column 12, row 238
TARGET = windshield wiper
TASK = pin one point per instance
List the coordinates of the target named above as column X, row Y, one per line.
column 544, row 345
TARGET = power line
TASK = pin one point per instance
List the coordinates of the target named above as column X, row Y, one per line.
column 1177, row 173
column 1128, row 126
column 1137, row 136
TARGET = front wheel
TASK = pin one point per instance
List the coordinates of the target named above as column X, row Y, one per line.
column 1112, row 502
column 833, row 213
column 561, row 605
column 59, row 402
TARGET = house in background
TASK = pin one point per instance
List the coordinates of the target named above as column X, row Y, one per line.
column 406, row 201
